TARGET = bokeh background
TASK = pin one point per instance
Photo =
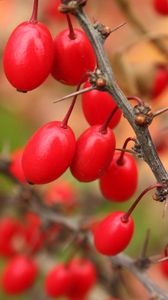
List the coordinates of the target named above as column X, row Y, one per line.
column 132, row 56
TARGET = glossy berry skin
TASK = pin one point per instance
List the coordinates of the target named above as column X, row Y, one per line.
column 112, row 235
column 83, row 277
column 161, row 6
column 94, row 152
column 160, row 82
column 11, row 232
column 119, row 182
column 15, row 167
column 57, row 282
column 73, row 58
column 97, row 106
column 62, row 194
column 18, row 275
column 28, row 56
column 48, row 153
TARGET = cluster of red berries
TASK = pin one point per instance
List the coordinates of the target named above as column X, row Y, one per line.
column 53, row 148
column 73, row 279
column 29, row 57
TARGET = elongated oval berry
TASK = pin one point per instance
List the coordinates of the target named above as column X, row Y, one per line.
column 160, row 81
column 112, row 235
column 48, row 153
column 161, row 6
column 119, row 182
column 164, row 268
column 93, row 154
column 28, row 56
column 19, row 275
column 83, row 277
column 73, row 58
column 11, row 234
column 97, row 105
column 58, row 281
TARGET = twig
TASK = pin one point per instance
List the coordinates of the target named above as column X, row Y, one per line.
column 142, row 133
column 124, row 261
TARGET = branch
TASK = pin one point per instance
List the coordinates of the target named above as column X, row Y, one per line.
column 143, row 136
column 125, row 261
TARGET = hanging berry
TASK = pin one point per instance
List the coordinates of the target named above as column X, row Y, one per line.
column 28, row 55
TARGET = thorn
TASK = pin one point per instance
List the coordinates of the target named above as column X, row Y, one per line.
column 74, row 94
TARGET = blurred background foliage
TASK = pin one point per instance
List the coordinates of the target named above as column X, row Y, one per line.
column 21, row 114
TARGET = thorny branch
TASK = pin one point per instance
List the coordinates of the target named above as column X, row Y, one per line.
column 142, row 133
column 34, row 203
column 122, row 260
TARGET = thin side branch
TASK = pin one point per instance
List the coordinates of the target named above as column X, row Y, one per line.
column 124, row 261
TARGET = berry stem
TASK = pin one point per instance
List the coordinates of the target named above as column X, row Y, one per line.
column 139, row 100
column 166, row 251
column 33, row 18
column 67, row 116
column 126, row 216
column 103, row 128
column 72, row 34
column 120, row 160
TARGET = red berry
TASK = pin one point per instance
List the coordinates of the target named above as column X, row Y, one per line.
column 52, row 10
column 161, row 6
column 97, row 106
column 15, row 167
column 73, row 58
column 61, row 193
column 19, row 275
column 33, row 234
column 112, row 235
column 120, row 181
column 11, row 233
column 164, row 268
column 48, row 153
column 58, row 281
column 28, row 56
column 94, row 151
column 160, row 81
column 83, row 277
